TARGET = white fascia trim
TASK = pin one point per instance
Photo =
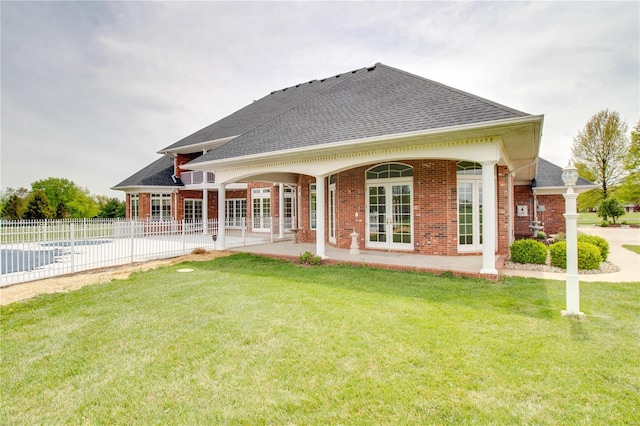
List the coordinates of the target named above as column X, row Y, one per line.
column 364, row 141
column 200, row 146
column 145, row 189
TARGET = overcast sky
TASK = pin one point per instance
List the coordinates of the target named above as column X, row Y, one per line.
column 92, row 90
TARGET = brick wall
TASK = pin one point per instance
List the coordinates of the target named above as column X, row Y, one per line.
column 502, row 198
column 435, row 207
column 144, row 206
column 522, row 196
column 553, row 216
column 305, row 235
column 184, row 159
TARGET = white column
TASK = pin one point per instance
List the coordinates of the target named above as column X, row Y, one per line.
column 281, row 211
column 573, row 284
column 205, row 211
column 222, row 195
column 320, row 231
column 488, row 218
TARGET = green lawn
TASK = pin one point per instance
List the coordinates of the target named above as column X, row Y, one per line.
column 245, row 340
column 593, row 219
column 631, row 247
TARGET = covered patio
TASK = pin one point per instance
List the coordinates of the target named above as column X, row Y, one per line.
column 465, row 266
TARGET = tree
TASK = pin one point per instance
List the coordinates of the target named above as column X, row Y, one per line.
column 610, row 207
column 13, row 208
column 111, row 207
column 629, row 191
column 78, row 201
column 602, row 147
column 62, row 212
column 588, row 201
column 38, row 206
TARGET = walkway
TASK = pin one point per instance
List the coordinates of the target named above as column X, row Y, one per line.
column 468, row 266
column 626, row 260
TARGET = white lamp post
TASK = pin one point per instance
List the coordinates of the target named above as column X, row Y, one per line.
column 570, row 177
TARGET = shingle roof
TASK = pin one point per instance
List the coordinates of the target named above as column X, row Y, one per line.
column 157, row 173
column 369, row 102
column 256, row 113
column 549, row 175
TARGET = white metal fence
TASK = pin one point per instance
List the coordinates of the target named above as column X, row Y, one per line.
column 32, row 250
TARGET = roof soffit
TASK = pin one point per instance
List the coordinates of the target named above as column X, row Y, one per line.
column 517, row 132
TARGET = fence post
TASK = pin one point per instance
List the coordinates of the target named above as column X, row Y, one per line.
column 184, row 247
column 84, row 228
column 244, row 231
column 72, row 245
column 132, row 236
column 270, row 229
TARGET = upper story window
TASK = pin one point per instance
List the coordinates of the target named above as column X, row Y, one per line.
column 390, row 170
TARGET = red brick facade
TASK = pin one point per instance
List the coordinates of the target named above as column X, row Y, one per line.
column 435, row 208
column 552, row 217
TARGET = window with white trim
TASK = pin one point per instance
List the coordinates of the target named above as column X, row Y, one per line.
column 261, row 204
column 236, row 211
column 134, row 206
column 313, row 213
column 193, row 209
column 160, row 206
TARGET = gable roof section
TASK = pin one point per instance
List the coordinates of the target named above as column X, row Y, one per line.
column 158, row 173
column 549, row 175
column 369, row 102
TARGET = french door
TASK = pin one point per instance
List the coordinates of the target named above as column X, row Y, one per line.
column 390, row 222
column 469, row 215
column 261, row 209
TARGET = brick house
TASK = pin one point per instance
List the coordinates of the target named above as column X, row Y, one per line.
column 408, row 164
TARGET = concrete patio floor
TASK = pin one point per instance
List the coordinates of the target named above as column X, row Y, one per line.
column 468, row 266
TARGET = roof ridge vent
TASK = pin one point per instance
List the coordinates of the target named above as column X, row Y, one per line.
column 371, row 68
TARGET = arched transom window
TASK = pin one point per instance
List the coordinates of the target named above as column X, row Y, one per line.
column 469, row 168
column 390, row 170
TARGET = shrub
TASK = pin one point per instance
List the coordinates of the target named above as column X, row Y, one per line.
column 558, row 252
column 561, row 236
column 610, row 207
column 599, row 242
column 308, row 258
column 528, row 251
column 541, row 235
column 198, row 250
column 604, row 223
column 588, row 255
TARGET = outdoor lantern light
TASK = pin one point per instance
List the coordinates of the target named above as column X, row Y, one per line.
column 570, row 177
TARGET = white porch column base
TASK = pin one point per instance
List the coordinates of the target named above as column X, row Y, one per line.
column 205, row 211
column 488, row 218
column 222, row 220
column 281, row 211
column 320, row 231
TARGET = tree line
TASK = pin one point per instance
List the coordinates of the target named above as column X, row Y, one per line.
column 606, row 154
column 57, row 198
